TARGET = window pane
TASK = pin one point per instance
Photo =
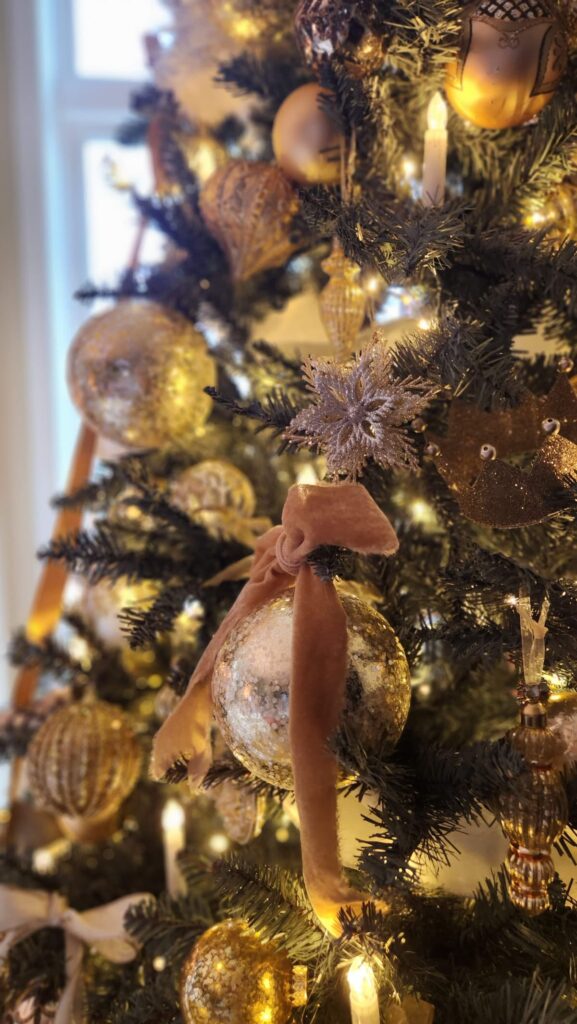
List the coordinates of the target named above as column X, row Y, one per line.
column 109, row 36
column 111, row 219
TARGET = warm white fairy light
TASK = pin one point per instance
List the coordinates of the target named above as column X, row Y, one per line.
column 363, row 992
column 219, row 843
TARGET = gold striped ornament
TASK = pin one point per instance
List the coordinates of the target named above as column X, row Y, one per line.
column 83, row 762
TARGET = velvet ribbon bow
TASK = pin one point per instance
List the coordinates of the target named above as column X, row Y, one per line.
column 24, row 911
column 343, row 515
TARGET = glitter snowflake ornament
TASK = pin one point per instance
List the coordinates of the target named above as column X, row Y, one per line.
column 360, row 411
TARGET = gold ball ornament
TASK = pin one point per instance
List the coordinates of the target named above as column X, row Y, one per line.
column 232, row 977
column 306, row 142
column 512, row 56
column 137, row 374
column 249, row 207
column 251, row 684
column 84, row 761
column 210, row 487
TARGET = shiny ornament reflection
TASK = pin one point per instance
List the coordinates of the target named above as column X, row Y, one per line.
column 251, row 684
column 137, row 374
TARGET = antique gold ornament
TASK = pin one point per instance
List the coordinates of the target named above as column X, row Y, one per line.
column 232, row 976
column 83, row 762
column 249, row 207
column 512, row 56
column 137, row 374
column 342, row 302
column 251, row 689
column 220, row 497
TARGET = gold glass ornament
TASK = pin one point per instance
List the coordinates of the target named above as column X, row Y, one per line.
column 241, row 811
column 512, row 55
column 84, row 761
column 342, row 302
column 249, row 207
column 137, row 374
column 232, row 976
column 211, row 486
column 251, row 685
column 533, row 811
column 306, row 142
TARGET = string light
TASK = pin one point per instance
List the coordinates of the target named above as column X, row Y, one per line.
column 219, row 843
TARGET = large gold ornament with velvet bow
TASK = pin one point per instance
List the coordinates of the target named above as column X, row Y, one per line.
column 343, row 515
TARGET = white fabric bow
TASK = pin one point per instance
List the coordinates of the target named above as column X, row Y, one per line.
column 24, row 911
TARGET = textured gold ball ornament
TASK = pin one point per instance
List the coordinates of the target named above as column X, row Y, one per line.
column 84, row 761
column 232, row 977
column 512, row 56
column 306, row 142
column 210, row 487
column 137, row 374
column 249, row 207
column 342, row 302
column 251, row 683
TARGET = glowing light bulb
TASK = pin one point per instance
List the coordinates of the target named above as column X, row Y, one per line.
column 437, row 113
column 174, row 839
column 219, row 843
column 409, row 167
column 363, row 992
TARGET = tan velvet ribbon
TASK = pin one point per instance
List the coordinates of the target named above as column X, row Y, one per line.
column 24, row 911
column 343, row 515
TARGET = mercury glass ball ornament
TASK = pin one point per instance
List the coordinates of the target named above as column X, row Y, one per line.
column 232, row 976
column 137, row 374
column 210, row 486
column 84, row 761
column 306, row 142
column 251, row 684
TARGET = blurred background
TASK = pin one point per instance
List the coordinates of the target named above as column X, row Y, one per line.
column 65, row 81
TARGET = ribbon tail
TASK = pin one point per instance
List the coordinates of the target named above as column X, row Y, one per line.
column 70, row 1009
column 185, row 735
column 316, row 702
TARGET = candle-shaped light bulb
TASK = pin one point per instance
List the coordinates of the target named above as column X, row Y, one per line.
column 435, row 159
column 174, row 838
column 437, row 113
column 363, row 992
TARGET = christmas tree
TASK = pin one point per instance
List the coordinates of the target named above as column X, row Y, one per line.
column 294, row 722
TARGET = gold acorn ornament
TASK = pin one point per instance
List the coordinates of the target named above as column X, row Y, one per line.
column 232, row 976
column 342, row 302
column 251, row 693
column 82, row 763
column 137, row 373
column 249, row 208
column 305, row 140
column 533, row 809
column 512, row 56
